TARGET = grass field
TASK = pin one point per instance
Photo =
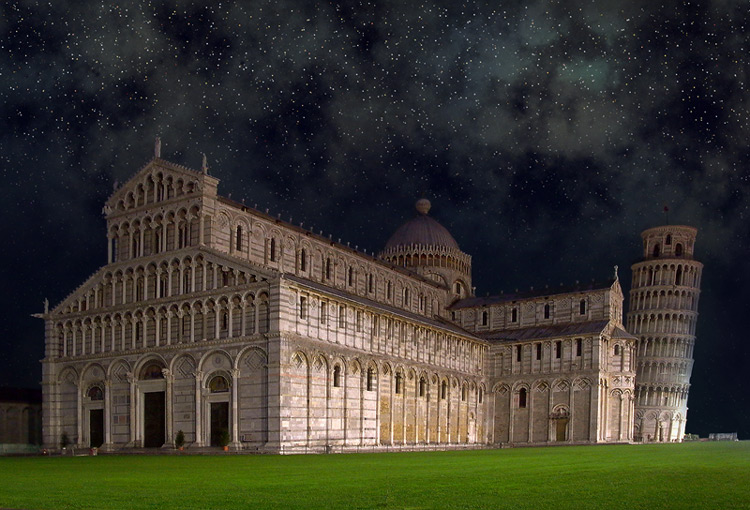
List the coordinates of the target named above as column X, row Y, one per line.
column 694, row 475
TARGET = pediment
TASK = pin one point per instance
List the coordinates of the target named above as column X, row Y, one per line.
column 244, row 273
column 158, row 181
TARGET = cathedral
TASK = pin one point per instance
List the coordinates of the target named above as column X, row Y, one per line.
column 226, row 326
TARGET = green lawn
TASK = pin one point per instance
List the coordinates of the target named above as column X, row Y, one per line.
column 694, row 475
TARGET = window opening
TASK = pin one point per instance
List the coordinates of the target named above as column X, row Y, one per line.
column 522, row 398
column 337, row 376
column 303, row 307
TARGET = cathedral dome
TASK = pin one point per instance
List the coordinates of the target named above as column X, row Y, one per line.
column 422, row 230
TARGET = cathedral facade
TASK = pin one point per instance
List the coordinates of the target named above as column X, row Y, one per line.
column 237, row 328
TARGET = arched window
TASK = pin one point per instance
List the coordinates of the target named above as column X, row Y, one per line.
column 399, row 383
column 514, row 315
column 218, row 384
column 546, row 311
column 538, row 351
column 328, row 268
column 579, row 346
column 272, row 250
column 582, row 307
column 463, row 393
column 351, row 276
column 302, row 260
column 480, row 395
column 323, row 312
column 668, row 240
column 337, row 376
column 444, row 390
column 370, row 379
column 238, row 239
column 558, row 349
column 617, row 350
column 406, row 296
column 518, row 353
column 95, row 393
column 656, row 250
column 485, row 318
column 457, row 288
column 389, row 290
column 678, row 276
column 138, row 331
column 422, row 387
column 678, row 250
column 370, row 283
column 224, row 320
column 522, row 398
column 186, row 282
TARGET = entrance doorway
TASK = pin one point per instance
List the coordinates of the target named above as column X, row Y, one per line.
column 96, row 428
column 219, row 421
column 154, row 421
column 562, row 429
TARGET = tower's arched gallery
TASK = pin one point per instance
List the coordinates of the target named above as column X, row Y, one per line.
column 228, row 324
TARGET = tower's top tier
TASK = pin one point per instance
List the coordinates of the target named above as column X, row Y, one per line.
column 669, row 242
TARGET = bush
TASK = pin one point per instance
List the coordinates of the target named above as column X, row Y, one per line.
column 179, row 440
column 224, row 437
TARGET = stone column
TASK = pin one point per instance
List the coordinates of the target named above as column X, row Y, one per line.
column 169, row 411
column 235, row 409
column 530, row 406
column 107, row 414
column 131, row 382
column 201, row 229
column 79, row 411
column 192, row 326
column 198, row 406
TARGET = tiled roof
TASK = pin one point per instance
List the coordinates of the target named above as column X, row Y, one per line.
column 516, row 296
column 543, row 332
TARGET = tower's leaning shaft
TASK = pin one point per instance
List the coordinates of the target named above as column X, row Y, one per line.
column 663, row 311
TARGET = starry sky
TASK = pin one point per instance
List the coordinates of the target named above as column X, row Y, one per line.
column 547, row 135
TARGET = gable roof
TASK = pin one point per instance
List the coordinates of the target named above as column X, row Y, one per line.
column 152, row 165
column 518, row 296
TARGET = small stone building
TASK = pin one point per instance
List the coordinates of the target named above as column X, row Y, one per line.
column 20, row 418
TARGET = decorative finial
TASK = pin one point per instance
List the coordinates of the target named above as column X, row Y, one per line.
column 46, row 305
column 423, row 206
column 616, row 277
column 204, row 165
column 157, row 147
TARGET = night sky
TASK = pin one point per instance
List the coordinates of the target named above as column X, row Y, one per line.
column 547, row 135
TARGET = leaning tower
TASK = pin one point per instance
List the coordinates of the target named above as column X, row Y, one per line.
column 662, row 313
